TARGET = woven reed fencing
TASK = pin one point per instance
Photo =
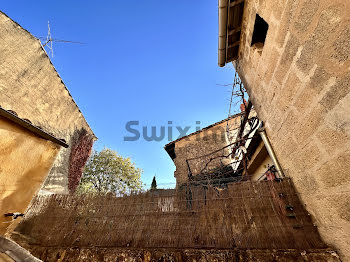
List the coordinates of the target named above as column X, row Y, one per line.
column 267, row 214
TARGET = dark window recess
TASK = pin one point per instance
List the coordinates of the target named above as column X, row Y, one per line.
column 260, row 30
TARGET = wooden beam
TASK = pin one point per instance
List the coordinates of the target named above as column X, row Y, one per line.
column 233, row 31
column 232, row 59
column 234, row 44
column 236, row 3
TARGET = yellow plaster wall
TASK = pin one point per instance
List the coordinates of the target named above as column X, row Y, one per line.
column 31, row 86
column 25, row 161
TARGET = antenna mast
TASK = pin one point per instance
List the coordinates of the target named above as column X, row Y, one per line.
column 48, row 41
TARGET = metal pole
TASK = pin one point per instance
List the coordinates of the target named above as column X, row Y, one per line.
column 269, row 149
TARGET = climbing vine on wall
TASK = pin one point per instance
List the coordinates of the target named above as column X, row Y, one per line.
column 80, row 152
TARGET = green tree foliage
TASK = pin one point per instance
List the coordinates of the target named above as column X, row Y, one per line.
column 154, row 183
column 106, row 171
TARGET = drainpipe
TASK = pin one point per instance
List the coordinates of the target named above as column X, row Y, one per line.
column 269, row 149
column 222, row 32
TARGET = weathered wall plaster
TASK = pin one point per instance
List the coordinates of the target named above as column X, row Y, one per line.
column 30, row 86
column 25, row 161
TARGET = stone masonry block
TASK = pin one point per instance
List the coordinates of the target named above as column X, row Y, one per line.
column 288, row 92
column 308, row 157
column 332, row 139
column 329, row 20
column 306, row 14
column 341, row 46
column 310, row 123
column 286, row 59
column 272, row 61
column 286, row 19
column 312, row 90
column 337, row 92
column 335, row 171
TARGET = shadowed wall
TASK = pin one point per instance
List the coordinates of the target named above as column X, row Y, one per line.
column 25, row 161
column 299, row 82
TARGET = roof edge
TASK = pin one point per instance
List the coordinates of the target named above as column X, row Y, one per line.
column 64, row 85
column 29, row 126
column 203, row 129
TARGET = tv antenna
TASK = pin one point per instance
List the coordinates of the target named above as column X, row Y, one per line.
column 48, row 40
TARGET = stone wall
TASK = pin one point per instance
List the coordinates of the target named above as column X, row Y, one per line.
column 299, row 84
column 200, row 144
column 30, row 86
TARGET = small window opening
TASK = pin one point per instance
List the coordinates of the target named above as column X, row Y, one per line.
column 260, row 31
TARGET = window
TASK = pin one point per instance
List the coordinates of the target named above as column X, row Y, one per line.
column 260, row 31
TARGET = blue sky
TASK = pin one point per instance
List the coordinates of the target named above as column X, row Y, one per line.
column 149, row 61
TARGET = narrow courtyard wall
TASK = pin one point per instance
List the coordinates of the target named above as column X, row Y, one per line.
column 299, row 82
column 30, row 86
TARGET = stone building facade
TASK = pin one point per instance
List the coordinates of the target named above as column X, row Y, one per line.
column 189, row 152
column 211, row 152
column 298, row 78
column 30, row 86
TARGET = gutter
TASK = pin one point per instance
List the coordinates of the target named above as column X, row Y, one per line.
column 223, row 11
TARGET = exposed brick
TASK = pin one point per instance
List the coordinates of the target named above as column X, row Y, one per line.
column 315, row 115
column 319, row 80
column 307, row 182
column 312, row 90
